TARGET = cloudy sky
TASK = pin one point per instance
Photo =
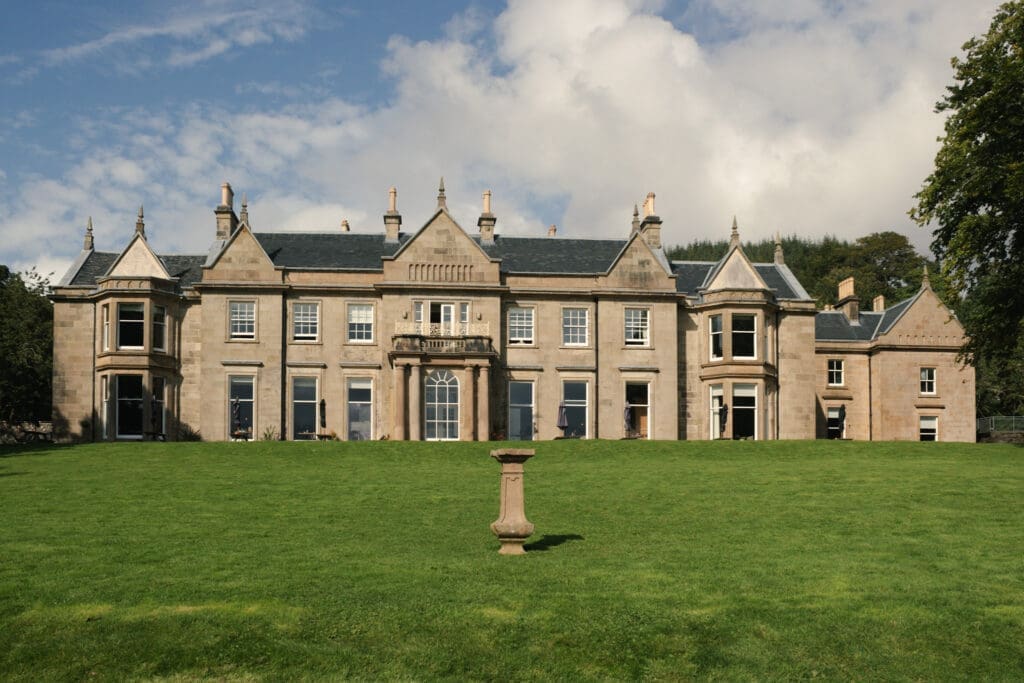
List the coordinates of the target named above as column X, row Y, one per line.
column 809, row 117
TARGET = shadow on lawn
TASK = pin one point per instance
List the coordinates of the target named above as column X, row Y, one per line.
column 551, row 541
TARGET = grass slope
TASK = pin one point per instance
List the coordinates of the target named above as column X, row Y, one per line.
column 650, row 561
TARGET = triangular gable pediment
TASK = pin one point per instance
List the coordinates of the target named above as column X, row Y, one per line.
column 735, row 272
column 441, row 251
column 925, row 321
column 242, row 259
column 138, row 260
column 638, row 267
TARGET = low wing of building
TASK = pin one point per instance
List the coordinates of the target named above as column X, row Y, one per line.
column 444, row 334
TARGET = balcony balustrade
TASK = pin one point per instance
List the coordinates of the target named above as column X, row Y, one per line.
column 436, row 338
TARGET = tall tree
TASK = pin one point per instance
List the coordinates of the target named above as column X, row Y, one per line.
column 26, row 346
column 975, row 195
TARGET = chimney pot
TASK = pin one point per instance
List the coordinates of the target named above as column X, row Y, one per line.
column 227, row 196
column 487, row 202
column 344, row 225
column 552, row 230
column 878, row 304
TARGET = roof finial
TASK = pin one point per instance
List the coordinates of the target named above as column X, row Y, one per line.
column 244, row 216
column 636, row 218
column 88, row 235
column 926, row 282
column 734, row 238
column 441, row 203
column 779, row 258
column 140, row 224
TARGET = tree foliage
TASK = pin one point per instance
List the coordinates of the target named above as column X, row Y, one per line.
column 26, row 346
column 975, row 195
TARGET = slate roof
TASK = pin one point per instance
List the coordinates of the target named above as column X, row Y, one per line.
column 95, row 267
column 553, row 255
column 328, row 250
column 692, row 275
column 835, row 326
column 188, row 269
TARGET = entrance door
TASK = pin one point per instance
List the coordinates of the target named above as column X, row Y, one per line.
column 637, row 410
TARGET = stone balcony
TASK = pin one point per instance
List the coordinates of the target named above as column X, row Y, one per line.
column 471, row 345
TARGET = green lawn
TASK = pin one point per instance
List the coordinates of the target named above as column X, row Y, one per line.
column 661, row 561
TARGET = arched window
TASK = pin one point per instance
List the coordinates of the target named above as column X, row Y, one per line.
column 441, row 406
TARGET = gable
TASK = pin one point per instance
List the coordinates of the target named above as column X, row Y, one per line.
column 138, row 260
column 441, row 252
column 637, row 267
column 926, row 320
column 736, row 272
column 242, row 260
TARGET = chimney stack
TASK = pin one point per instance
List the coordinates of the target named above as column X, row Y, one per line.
column 392, row 219
column 848, row 301
column 227, row 221
column 650, row 227
column 486, row 221
column 552, row 230
column 878, row 305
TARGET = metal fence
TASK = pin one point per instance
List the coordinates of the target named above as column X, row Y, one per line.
column 1001, row 423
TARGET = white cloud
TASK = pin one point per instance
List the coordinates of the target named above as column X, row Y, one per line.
column 196, row 33
column 812, row 118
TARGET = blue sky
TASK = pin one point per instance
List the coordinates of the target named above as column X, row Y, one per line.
column 801, row 116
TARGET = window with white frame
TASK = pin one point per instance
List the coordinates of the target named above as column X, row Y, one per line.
column 520, row 325
column 574, row 401
column 360, row 409
column 305, row 320
column 927, row 380
column 304, row 408
column 159, row 414
column 575, row 326
column 744, row 411
column 719, row 413
column 360, row 323
column 637, row 327
column 241, row 406
column 106, row 327
column 242, row 319
column 835, row 372
column 520, row 411
column 105, row 396
column 159, row 328
column 441, row 406
column 928, row 428
column 129, row 406
column 744, row 335
column 131, row 325
column 715, row 326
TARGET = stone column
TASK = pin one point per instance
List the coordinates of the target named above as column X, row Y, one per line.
column 467, row 403
column 398, row 416
column 415, row 403
column 512, row 528
column 483, row 404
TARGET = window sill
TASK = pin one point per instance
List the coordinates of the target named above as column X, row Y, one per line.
column 241, row 340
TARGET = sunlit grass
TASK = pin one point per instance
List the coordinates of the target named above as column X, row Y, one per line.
column 375, row 561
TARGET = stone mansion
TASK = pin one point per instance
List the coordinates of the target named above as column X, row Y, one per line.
column 443, row 334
